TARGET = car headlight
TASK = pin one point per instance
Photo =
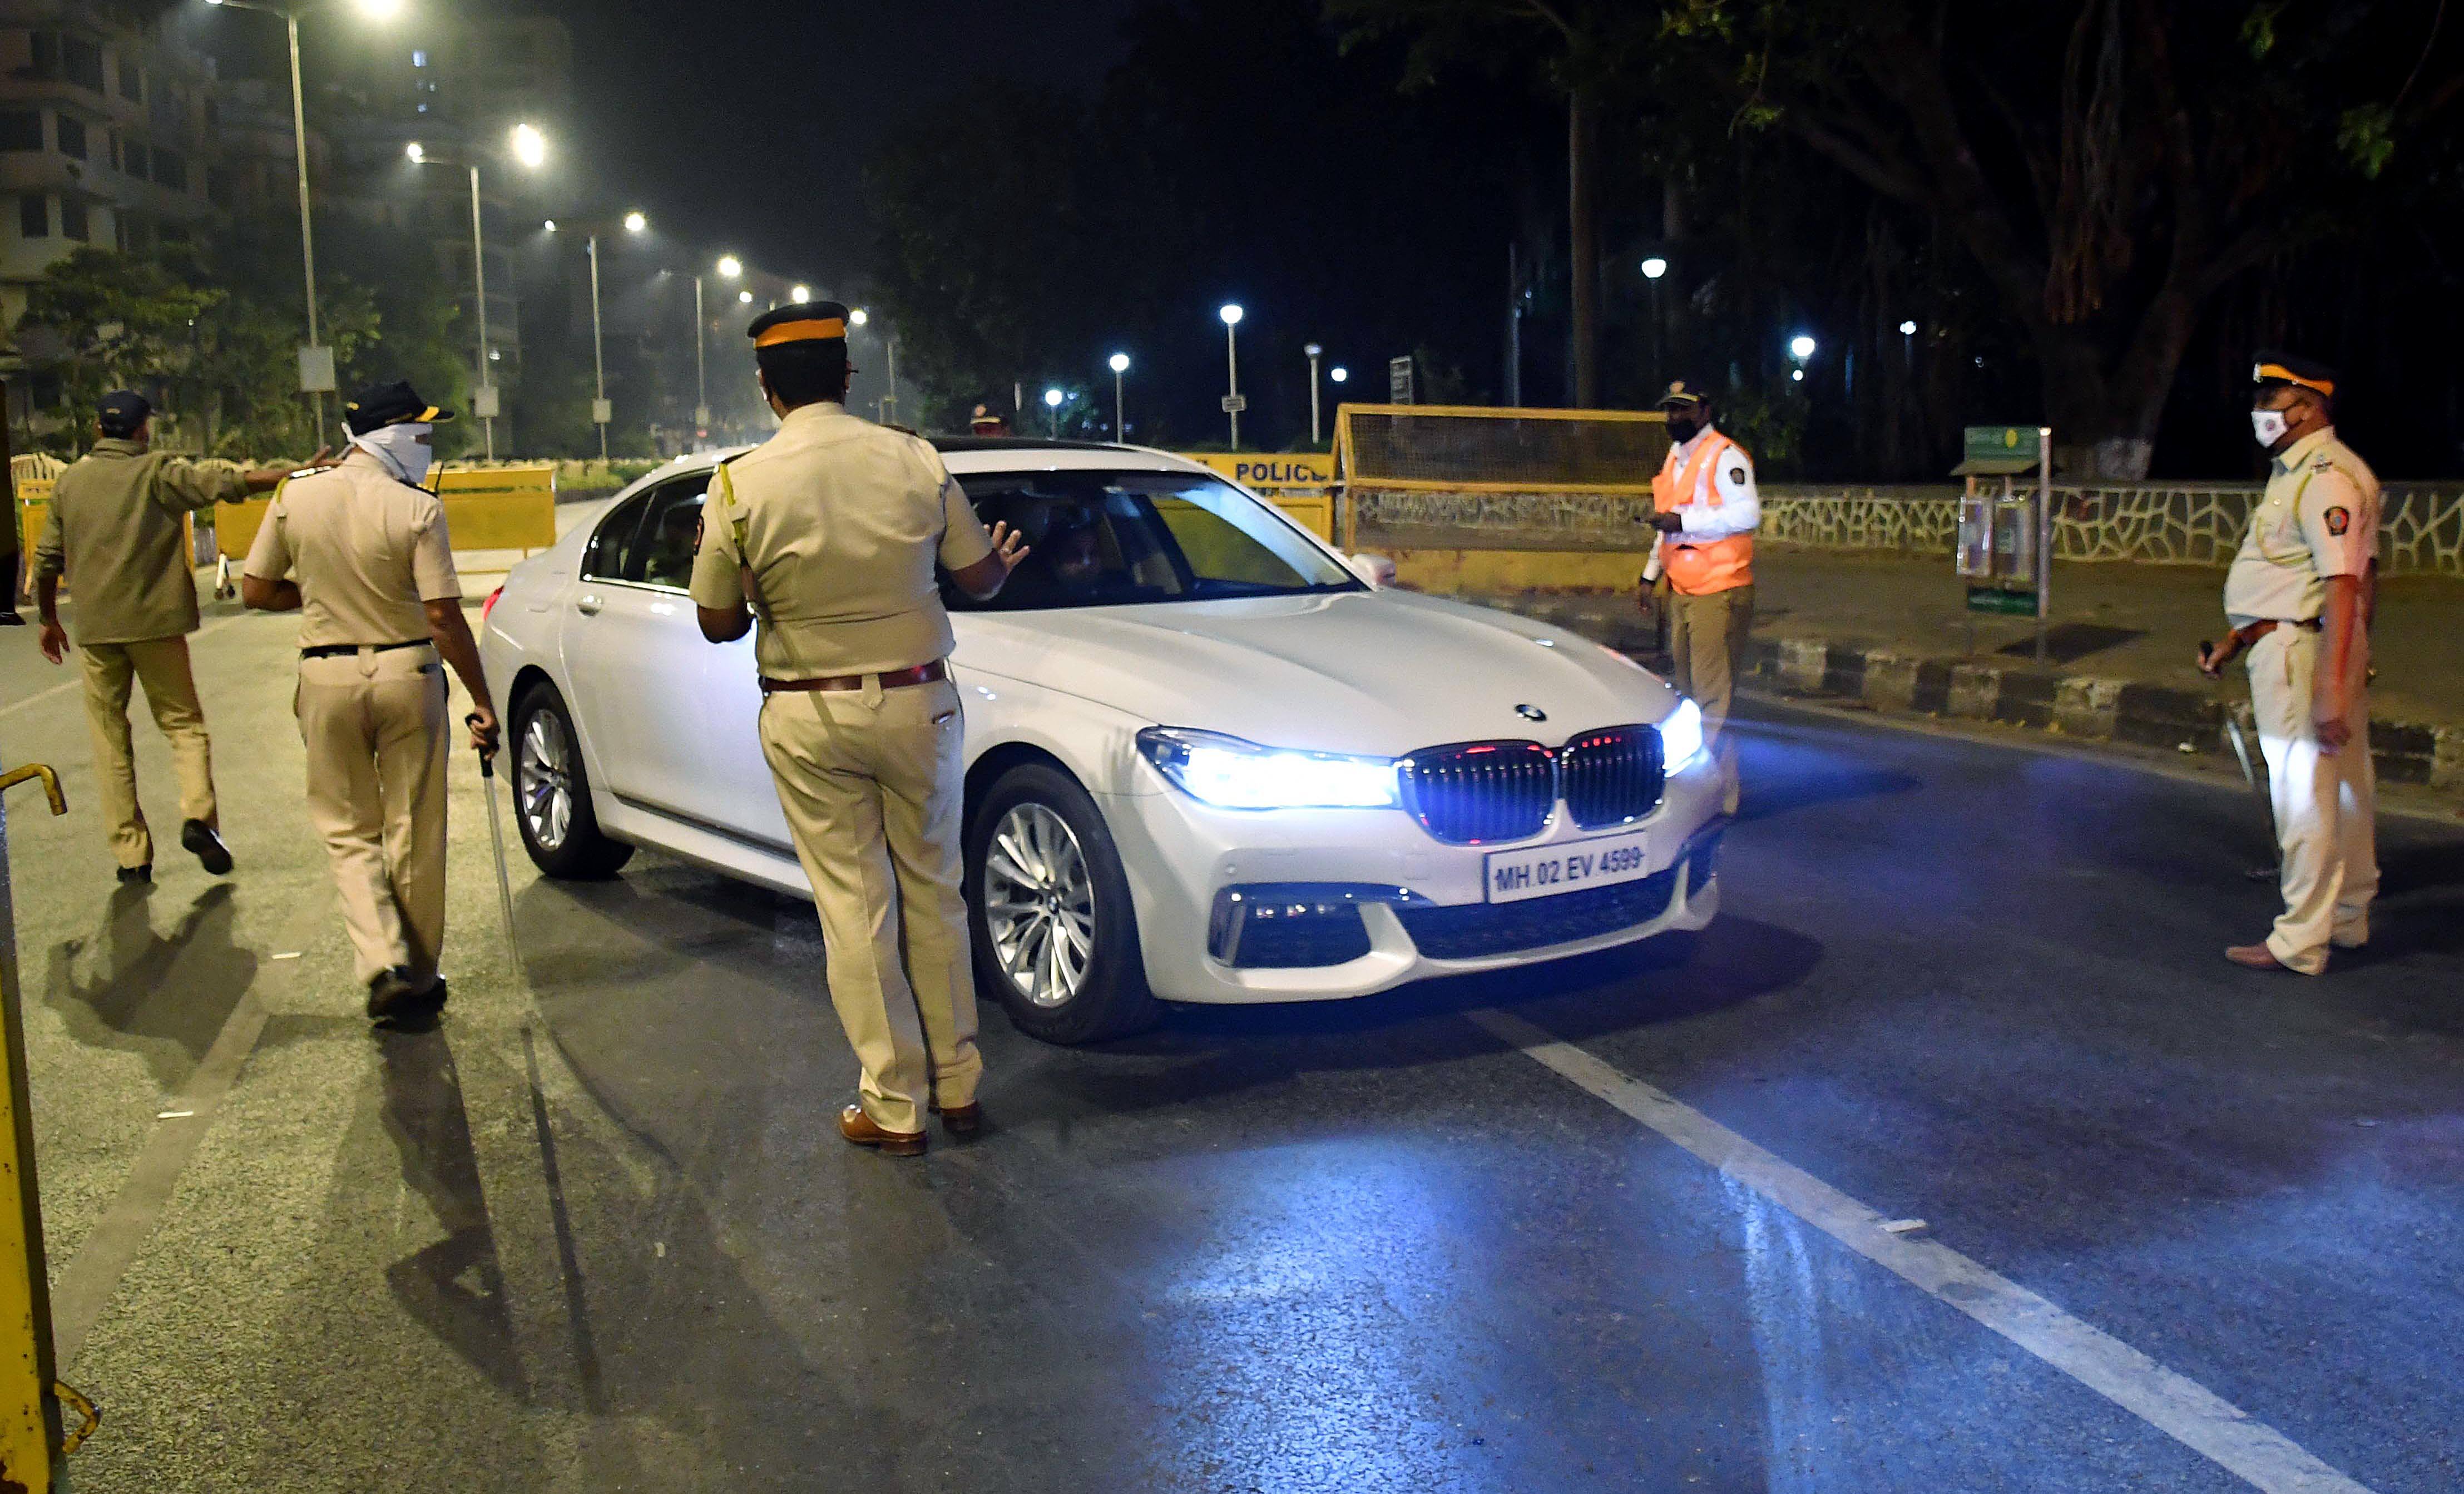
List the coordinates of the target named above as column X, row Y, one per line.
column 1681, row 737
column 1232, row 774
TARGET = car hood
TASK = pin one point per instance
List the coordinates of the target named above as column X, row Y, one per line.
column 1373, row 672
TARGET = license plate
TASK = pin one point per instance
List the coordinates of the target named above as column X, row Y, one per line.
column 1516, row 876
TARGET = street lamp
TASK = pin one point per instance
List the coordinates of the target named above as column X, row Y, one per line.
column 1801, row 347
column 1052, row 399
column 858, row 317
column 636, row 222
column 1654, row 268
column 1120, row 364
column 1907, row 329
column 1340, row 374
column 744, row 298
column 730, row 266
column 530, row 148
column 1233, row 404
column 316, row 361
column 1314, row 351
column 601, row 412
column 800, row 293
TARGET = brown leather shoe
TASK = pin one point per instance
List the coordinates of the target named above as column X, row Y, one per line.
column 2255, row 956
column 960, row 1120
column 859, row 1128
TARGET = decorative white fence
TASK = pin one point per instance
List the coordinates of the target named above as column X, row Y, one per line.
column 2421, row 532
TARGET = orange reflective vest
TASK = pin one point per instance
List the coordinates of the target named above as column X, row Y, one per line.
column 1699, row 568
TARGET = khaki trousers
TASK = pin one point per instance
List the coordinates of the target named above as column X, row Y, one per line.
column 1706, row 639
column 2326, row 805
column 873, row 785
column 376, row 729
column 162, row 665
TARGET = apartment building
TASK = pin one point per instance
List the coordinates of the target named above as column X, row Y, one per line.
column 107, row 137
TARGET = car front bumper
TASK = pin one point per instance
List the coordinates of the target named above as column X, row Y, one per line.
column 1199, row 875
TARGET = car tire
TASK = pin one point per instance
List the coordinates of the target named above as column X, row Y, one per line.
column 1027, row 809
column 551, row 792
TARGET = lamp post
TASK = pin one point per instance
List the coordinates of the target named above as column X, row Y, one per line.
column 1653, row 270
column 1233, row 404
column 1120, row 365
column 601, row 412
column 1801, row 348
column 316, row 363
column 1052, row 399
column 1315, row 352
column 530, row 148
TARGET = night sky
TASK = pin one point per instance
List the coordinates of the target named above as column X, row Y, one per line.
column 748, row 123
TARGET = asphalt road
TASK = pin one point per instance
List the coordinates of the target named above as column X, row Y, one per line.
column 597, row 1233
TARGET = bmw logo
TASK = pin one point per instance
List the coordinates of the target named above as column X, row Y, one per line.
column 1531, row 713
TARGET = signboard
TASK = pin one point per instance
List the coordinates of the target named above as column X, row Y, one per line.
column 1399, row 380
column 2000, row 450
column 317, row 370
column 602, row 412
column 1234, row 404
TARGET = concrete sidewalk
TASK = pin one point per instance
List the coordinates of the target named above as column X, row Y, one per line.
column 1894, row 632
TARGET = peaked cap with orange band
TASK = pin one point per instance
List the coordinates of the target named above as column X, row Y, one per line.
column 805, row 321
column 2271, row 370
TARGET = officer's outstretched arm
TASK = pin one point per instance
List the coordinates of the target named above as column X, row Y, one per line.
column 259, row 595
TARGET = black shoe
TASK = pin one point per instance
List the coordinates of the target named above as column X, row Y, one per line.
column 198, row 839
column 10, row 619
column 416, row 1012
column 389, row 991
column 143, row 873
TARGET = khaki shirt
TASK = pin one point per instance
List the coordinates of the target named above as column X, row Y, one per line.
column 840, row 521
column 116, row 528
column 368, row 548
column 2319, row 518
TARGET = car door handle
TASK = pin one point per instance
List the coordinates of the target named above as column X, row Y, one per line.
column 589, row 603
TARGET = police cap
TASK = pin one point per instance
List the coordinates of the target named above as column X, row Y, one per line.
column 1684, row 394
column 124, row 413
column 805, row 321
column 381, row 405
column 2272, row 369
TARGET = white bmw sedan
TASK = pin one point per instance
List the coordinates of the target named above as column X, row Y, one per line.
column 1209, row 759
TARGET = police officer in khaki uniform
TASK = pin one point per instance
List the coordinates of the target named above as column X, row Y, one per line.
column 831, row 530
column 1707, row 510
column 116, row 528
column 2300, row 598
column 361, row 553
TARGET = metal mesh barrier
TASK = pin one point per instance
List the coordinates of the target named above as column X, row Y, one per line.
column 1466, row 449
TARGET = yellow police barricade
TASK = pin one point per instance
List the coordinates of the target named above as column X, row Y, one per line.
column 486, row 508
column 32, row 1435
column 1300, row 483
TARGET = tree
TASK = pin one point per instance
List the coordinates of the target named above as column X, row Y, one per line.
column 2110, row 166
column 117, row 320
column 1583, row 50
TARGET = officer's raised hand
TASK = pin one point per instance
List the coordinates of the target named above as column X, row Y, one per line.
column 1009, row 545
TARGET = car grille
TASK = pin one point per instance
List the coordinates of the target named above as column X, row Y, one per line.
column 1612, row 777
column 1473, row 931
column 1481, row 793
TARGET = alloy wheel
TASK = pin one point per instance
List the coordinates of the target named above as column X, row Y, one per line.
column 543, row 783
column 1039, row 905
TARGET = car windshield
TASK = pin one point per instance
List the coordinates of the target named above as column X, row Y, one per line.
column 1108, row 539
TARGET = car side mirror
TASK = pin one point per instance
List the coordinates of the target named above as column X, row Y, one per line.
column 1375, row 569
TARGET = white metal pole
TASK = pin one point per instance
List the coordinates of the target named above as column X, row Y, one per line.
column 701, row 366
column 598, row 347
column 479, row 267
column 1120, row 431
column 1232, row 362
column 2044, row 536
column 890, row 401
column 307, row 229
column 1313, row 406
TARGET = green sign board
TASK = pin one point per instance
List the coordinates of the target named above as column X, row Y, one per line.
column 2001, row 600
column 2004, row 444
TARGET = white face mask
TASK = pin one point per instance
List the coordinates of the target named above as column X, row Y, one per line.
column 2269, row 426
column 403, row 450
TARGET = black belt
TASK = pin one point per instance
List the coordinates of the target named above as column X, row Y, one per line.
column 346, row 650
column 2251, row 635
column 890, row 679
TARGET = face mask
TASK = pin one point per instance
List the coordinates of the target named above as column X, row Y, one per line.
column 1682, row 428
column 403, row 450
column 2268, row 425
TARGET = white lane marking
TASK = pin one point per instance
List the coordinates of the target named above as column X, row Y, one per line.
column 2177, row 1406
column 75, row 679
